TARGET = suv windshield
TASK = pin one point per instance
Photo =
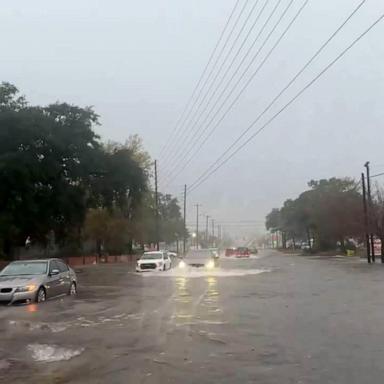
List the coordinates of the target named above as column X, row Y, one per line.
column 27, row 268
column 200, row 254
column 152, row 256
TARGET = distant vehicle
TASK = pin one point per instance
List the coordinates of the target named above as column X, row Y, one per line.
column 173, row 255
column 207, row 258
column 154, row 261
column 242, row 252
column 230, row 252
column 305, row 246
column 36, row 281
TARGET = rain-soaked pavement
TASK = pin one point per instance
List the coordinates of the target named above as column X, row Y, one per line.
column 271, row 319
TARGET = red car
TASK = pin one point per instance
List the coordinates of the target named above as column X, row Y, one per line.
column 242, row 252
column 230, row 252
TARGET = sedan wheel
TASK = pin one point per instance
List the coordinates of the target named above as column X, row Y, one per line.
column 41, row 295
column 73, row 290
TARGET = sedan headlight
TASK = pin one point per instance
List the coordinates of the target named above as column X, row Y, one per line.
column 210, row 264
column 27, row 288
column 182, row 264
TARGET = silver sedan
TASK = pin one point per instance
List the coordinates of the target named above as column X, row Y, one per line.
column 36, row 281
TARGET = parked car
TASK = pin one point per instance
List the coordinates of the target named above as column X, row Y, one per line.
column 230, row 252
column 207, row 258
column 36, row 281
column 154, row 261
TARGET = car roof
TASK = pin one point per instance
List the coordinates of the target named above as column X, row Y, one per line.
column 36, row 260
column 153, row 252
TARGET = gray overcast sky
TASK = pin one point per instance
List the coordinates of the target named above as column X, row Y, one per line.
column 137, row 63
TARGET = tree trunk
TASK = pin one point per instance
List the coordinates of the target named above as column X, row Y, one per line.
column 130, row 246
column 342, row 245
column 309, row 239
column 284, row 239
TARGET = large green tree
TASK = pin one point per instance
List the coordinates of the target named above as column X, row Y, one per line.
column 53, row 169
column 329, row 212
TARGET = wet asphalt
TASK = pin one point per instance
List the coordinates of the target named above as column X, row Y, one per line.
column 271, row 319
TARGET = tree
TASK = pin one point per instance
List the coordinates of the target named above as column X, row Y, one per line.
column 171, row 221
column 329, row 212
column 53, row 169
column 273, row 220
column 109, row 230
column 378, row 213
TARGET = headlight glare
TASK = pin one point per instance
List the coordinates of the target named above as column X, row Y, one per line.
column 27, row 288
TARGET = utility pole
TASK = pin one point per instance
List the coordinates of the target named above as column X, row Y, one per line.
column 219, row 232
column 185, row 220
column 157, row 209
column 366, row 218
column 206, row 230
column 197, row 225
column 366, row 165
column 213, row 232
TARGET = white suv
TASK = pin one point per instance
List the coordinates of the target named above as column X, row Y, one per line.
column 154, row 261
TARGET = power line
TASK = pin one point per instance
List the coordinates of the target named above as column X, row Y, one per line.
column 214, row 65
column 202, row 75
column 179, row 150
column 255, row 40
column 229, row 108
column 284, row 89
column 197, row 184
column 377, row 175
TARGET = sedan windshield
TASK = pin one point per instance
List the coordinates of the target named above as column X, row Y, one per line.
column 152, row 256
column 27, row 268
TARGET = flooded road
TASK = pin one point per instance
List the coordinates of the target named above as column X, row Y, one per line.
column 268, row 319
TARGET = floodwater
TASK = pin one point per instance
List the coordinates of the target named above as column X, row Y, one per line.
column 274, row 319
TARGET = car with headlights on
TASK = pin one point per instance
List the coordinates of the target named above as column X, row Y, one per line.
column 36, row 281
column 206, row 258
column 154, row 261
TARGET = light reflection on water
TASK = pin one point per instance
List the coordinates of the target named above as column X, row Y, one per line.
column 31, row 308
column 196, row 308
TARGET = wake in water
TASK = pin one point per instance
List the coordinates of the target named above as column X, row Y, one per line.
column 202, row 272
column 51, row 353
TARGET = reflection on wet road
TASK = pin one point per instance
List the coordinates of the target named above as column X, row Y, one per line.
column 189, row 309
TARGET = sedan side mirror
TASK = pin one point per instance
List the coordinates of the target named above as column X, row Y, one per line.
column 54, row 272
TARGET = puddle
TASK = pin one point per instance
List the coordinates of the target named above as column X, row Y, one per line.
column 54, row 328
column 195, row 273
column 52, row 353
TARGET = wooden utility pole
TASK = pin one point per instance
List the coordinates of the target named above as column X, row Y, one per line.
column 157, row 209
column 370, row 211
column 206, row 230
column 213, row 232
column 366, row 218
column 197, row 225
column 185, row 220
